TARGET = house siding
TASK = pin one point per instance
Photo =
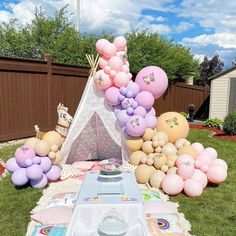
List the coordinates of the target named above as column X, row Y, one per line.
column 219, row 98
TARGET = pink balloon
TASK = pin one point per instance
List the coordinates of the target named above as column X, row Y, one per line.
column 140, row 111
column 216, row 174
column 133, row 87
column 112, row 95
column 136, row 126
column 120, row 43
column 186, row 170
column 121, row 79
column 200, row 177
column 115, row 63
column 184, row 158
column 112, row 74
column 123, row 56
column 130, row 76
column 39, row 183
column 125, row 68
column 204, row 168
column 151, row 121
column 220, row 162
column 212, row 152
column 204, row 159
column 198, row 147
column 152, row 79
column 145, row 99
column 172, row 184
column 109, row 50
column 100, row 44
column 22, row 154
column 102, row 62
column 102, row 80
column 192, row 188
column 197, row 164
column 107, row 69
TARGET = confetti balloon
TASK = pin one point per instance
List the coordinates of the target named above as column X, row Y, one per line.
column 152, row 79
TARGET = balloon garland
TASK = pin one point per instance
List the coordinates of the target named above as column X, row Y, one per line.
column 160, row 151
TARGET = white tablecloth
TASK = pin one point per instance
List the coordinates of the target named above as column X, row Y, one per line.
column 92, row 205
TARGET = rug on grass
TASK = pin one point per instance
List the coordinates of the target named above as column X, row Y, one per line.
column 162, row 215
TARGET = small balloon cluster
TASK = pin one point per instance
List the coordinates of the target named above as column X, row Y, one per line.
column 27, row 167
column 132, row 101
column 193, row 174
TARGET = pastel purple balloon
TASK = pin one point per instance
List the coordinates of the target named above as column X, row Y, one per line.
column 152, row 79
column 121, row 97
column 53, row 173
column 151, row 112
column 127, row 102
column 29, row 162
column 19, row 177
column 151, row 121
column 37, row 160
column 34, row 172
column 130, row 111
column 23, row 153
column 45, row 164
column 134, row 105
column 11, row 165
column 39, row 183
column 134, row 87
column 123, row 91
column 136, row 126
column 145, row 99
column 122, row 117
column 129, row 94
column 112, row 95
column 140, row 111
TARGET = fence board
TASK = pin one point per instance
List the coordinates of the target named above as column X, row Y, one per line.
column 30, row 91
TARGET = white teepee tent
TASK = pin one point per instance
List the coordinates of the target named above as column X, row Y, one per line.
column 94, row 132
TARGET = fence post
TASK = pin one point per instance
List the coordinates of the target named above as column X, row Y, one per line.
column 206, row 94
column 48, row 58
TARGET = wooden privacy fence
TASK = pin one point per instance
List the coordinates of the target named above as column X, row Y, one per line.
column 30, row 91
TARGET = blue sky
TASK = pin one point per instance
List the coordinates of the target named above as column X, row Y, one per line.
column 207, row 27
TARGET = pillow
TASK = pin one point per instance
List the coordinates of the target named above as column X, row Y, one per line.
column 49, row 230
column 68, row 171
column 63, row 199
column 84, row 165
column 53, row 215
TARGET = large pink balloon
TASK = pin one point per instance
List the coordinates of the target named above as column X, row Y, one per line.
column 198, row 147
column 121, row 79
column 212, row 152
column 192, row 188
column 24, row 153
column 100, row 44
column 112, row 95
column 204, row 159
column 39, row 183
column 109, row 50
column 172, row 184
column 115, row 63
column 184, row 158
column 136, row 126
column 120, row 43
column 200, row 177
column 152, row 79
column 216, row 174
column 145, row 99
column 102, row 80
column 186, row 170
column 220, row 162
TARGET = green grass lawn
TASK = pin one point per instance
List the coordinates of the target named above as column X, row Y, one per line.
column 212, row 214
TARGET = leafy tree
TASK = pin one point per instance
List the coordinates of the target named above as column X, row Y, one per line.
column 209, row 68
column 57, row 36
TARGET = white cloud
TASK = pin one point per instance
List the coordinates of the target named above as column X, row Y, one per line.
column 199, row 57
column 182, row 27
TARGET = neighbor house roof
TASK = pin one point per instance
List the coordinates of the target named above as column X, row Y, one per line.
column 222, row 73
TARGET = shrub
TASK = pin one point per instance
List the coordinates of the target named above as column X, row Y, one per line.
column 229, row 124
column 183, row 114
column 213, row 122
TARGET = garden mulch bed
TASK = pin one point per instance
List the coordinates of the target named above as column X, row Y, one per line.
column 217, row 133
